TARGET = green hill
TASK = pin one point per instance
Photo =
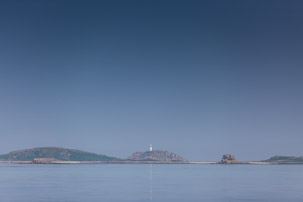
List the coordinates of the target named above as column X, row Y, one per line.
column 55, row 153
column 285, row 159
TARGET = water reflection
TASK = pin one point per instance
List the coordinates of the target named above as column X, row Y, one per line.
column 150, row 182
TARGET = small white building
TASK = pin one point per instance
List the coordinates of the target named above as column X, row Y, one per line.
column 150, row 147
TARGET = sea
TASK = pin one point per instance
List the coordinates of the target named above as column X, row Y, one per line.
column 150, row 182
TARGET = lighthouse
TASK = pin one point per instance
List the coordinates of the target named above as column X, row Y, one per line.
column 150, row 147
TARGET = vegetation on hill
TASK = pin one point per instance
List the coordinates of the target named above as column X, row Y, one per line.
column 55, row 153
column 285, row 159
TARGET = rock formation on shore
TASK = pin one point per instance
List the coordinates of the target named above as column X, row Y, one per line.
column 229, row 159
column 157, row 155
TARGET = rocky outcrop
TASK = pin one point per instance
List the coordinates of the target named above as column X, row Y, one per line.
column 157, row 155
column 229, row 159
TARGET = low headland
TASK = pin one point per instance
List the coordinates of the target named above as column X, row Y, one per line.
column 57, row 155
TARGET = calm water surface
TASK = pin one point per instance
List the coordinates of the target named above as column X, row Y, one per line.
column 159, row 183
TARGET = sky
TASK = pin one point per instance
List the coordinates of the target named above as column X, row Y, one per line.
column 197, row 78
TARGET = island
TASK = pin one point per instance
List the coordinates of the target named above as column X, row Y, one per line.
column 54, row 155
column 285, row 160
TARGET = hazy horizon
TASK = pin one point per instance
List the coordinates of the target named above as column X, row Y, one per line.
column 197, row 78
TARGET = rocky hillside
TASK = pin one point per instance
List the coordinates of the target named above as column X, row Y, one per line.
column 285, row 159
column 157, row 155
column 55, row 153
column 229, row 159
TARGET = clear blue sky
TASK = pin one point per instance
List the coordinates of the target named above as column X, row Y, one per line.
column 198, row 78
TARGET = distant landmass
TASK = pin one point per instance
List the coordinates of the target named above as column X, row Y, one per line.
column 230, row 159
column 55, row 153
column 59, row 155
column 156, row 155
column 285, row 159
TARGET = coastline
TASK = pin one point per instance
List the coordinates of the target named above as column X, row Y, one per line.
column 153, row 162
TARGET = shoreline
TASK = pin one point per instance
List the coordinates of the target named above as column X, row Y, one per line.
column 154, row 162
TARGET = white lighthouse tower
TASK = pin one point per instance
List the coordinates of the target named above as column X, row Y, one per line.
column 150, row 147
